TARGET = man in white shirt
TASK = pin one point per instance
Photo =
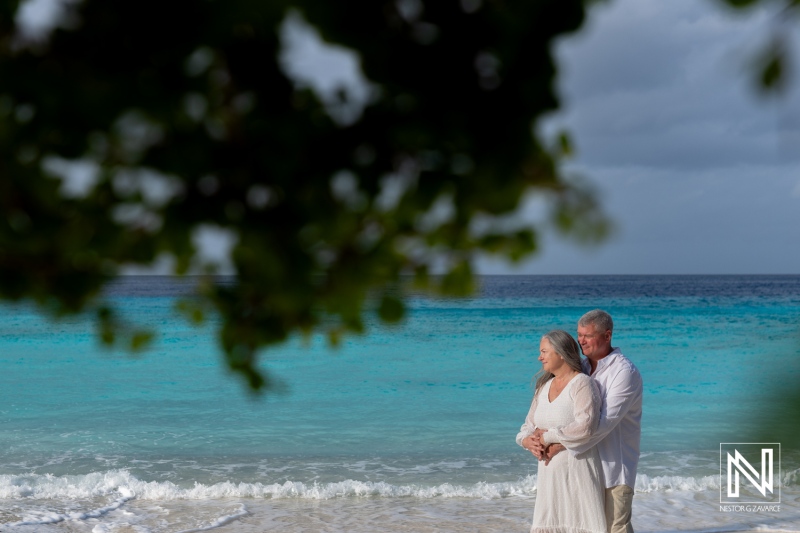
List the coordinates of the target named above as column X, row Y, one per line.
column 619, row 432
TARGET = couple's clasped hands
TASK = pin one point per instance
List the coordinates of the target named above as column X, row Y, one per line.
column 543, row 452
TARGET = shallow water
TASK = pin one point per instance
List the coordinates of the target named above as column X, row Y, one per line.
column 406, row 427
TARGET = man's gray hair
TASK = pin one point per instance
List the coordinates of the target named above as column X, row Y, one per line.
column 599, row 319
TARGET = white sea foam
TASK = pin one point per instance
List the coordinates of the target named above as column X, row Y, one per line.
column 122, row 482
column 48, row 486
column 219, row 522
column 119, row 486
column 41, row 518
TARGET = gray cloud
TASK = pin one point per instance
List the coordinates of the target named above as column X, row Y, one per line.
column 664, row 84
column 699, row 172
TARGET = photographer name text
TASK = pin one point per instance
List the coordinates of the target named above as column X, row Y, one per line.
column 749, row 508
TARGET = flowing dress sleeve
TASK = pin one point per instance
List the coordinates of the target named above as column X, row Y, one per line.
column 528, row 427
column 585, row 396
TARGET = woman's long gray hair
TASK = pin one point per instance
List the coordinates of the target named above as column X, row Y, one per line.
column 565, row 346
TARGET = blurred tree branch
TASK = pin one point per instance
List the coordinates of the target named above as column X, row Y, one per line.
column 182, row 117
column 772, row 70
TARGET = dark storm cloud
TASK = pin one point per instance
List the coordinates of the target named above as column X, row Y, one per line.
column 665, row 84
column 699, row 172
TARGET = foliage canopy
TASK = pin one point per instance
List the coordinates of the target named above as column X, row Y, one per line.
column 184, row 117
column 181, row 117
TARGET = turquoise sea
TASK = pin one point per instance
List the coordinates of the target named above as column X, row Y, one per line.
column 406, row 428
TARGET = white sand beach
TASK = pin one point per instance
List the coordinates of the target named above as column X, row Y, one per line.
column 656, row 512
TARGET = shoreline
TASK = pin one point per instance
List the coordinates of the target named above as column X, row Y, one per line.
column 391, row 515
column 457, row 515
column 118, row 502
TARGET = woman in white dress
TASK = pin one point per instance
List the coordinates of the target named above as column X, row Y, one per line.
column 565, row 409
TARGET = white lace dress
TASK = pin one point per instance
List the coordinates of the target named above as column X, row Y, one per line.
column 570, row 491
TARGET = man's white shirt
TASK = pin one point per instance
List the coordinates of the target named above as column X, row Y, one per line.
column 619, row 433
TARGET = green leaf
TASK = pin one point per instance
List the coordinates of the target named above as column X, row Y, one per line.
column 335, row 337
column 772, row 73
column 391, row 309
column 565, row 146
column 458, row 281
column 741, row 3
column 141, row 340
column 192, row 309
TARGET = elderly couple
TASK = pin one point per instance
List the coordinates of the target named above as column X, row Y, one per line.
column 584, row 427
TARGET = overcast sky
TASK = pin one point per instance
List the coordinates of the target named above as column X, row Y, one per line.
column 700, row 173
